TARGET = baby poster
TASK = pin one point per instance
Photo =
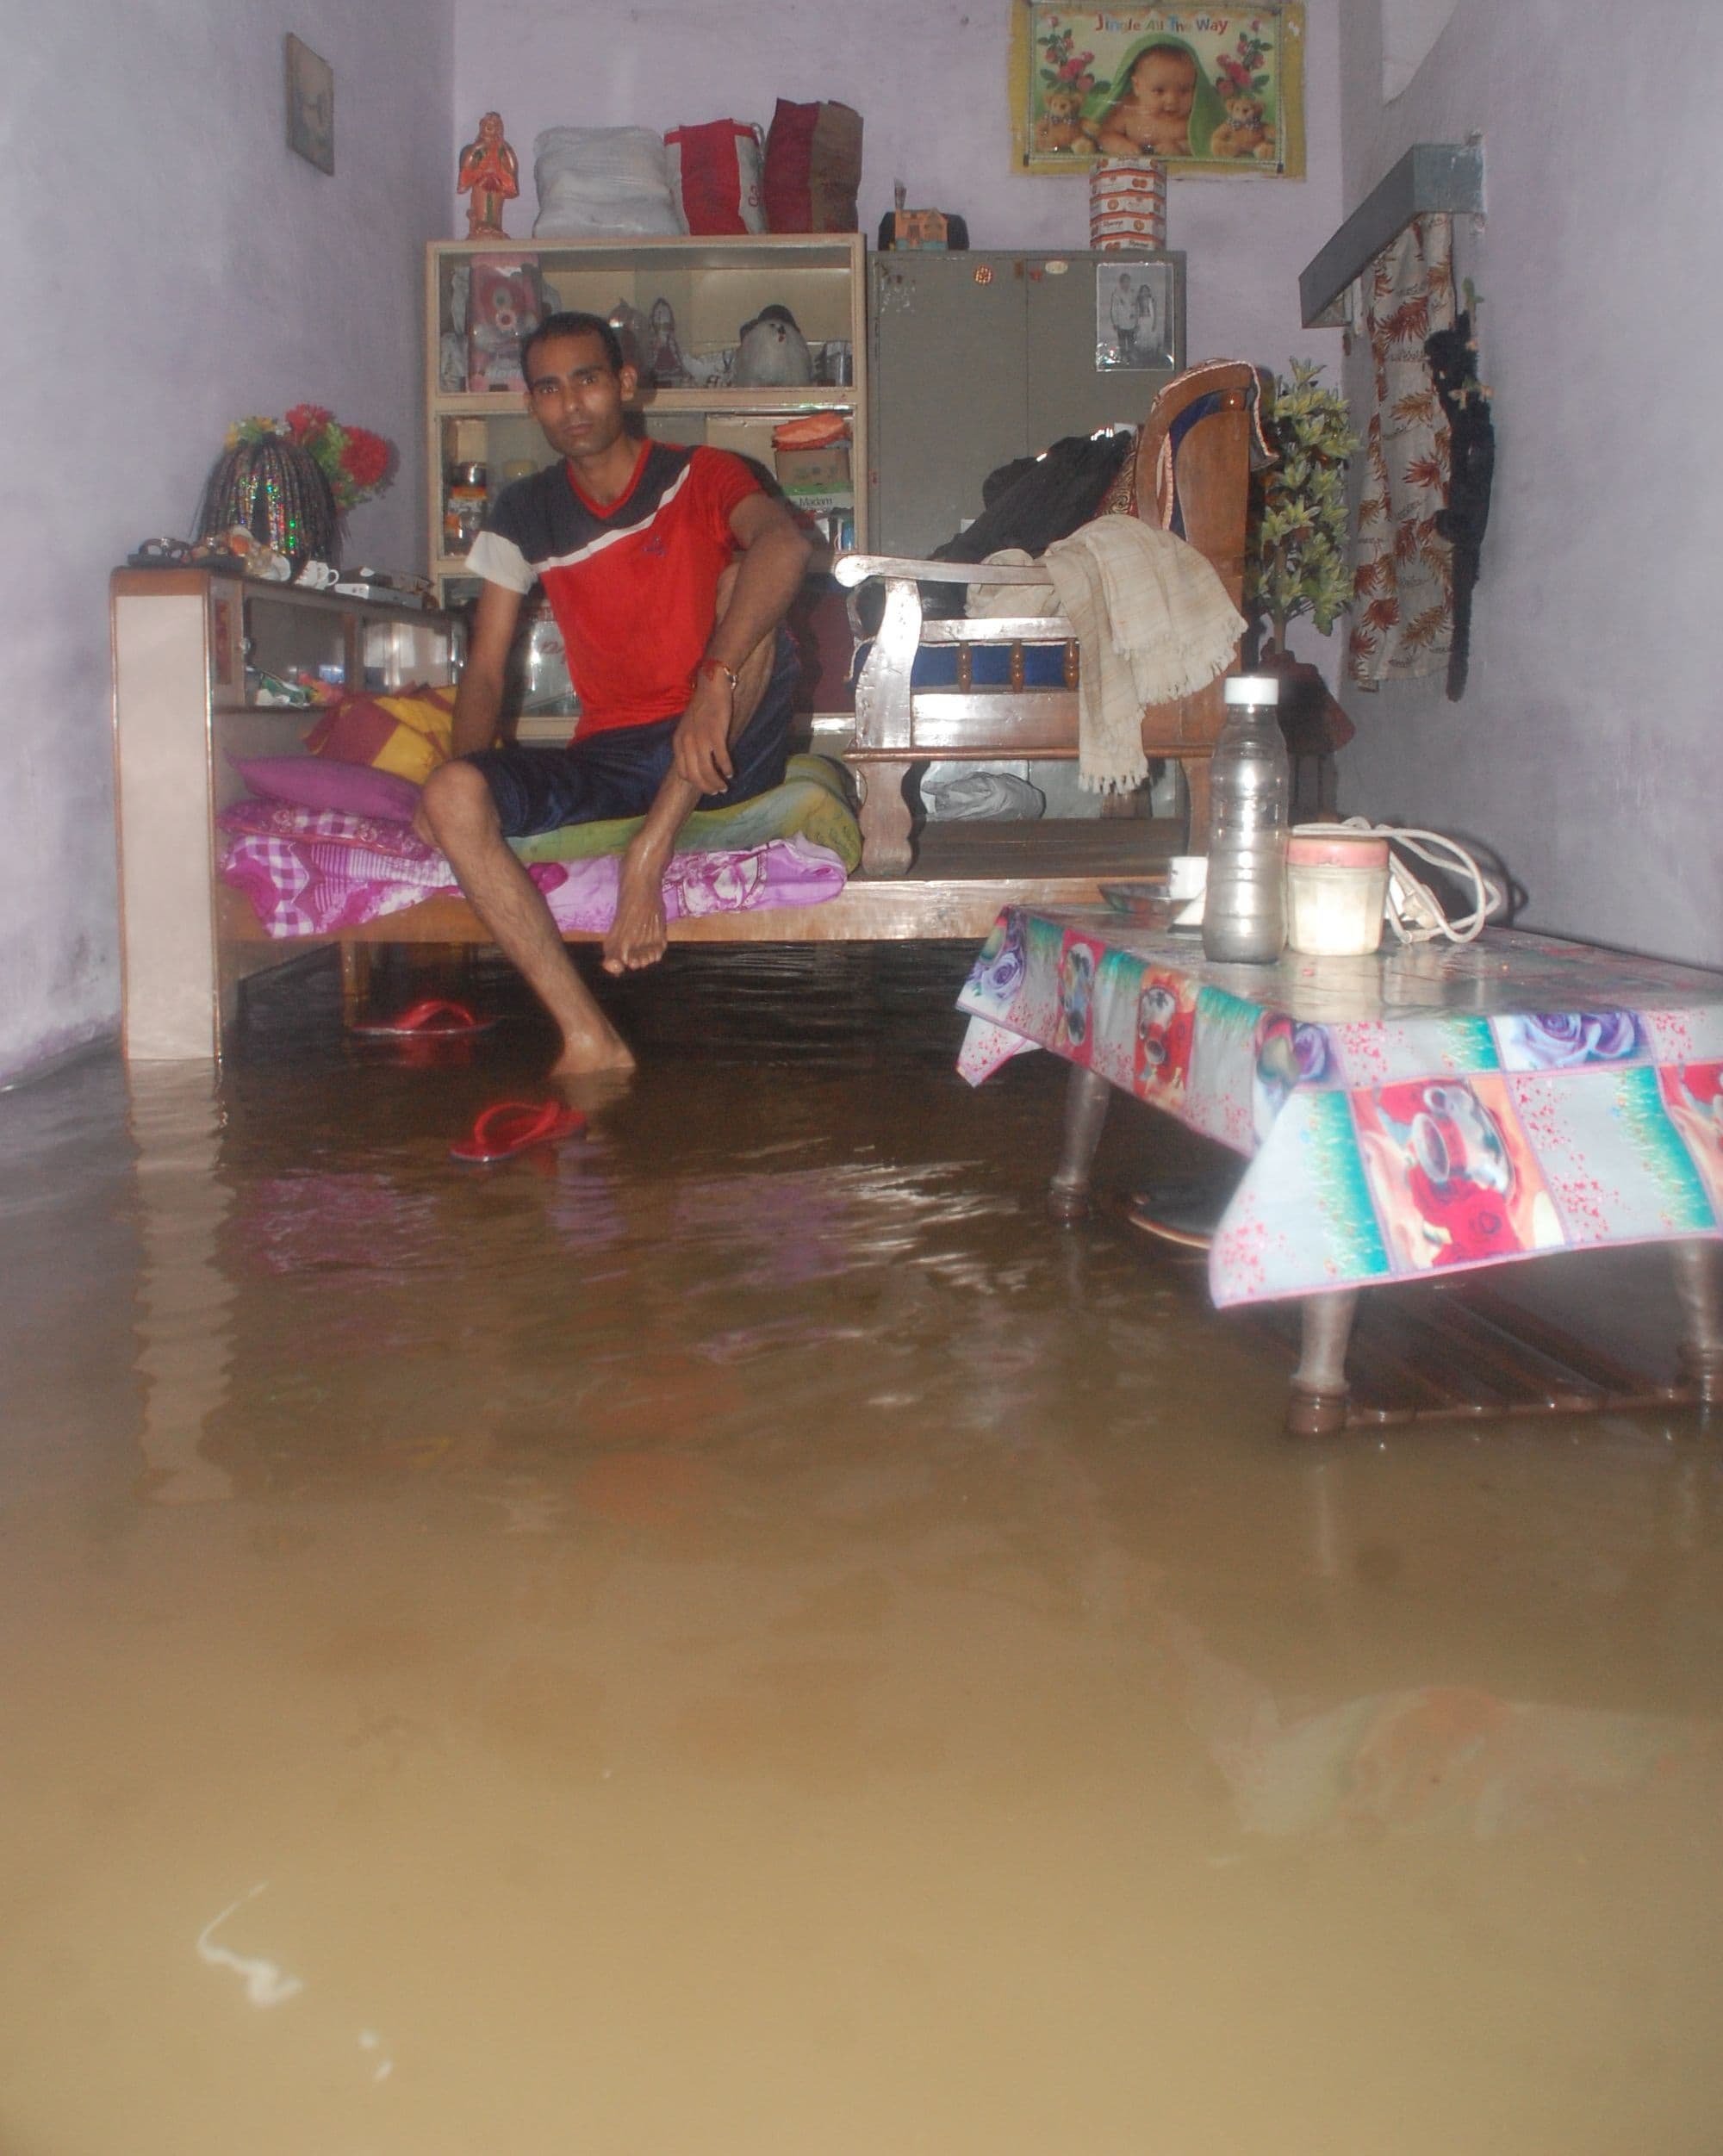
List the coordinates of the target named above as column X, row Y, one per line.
column 1207, row 90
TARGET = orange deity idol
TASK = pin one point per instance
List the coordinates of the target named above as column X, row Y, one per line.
column 490, row 176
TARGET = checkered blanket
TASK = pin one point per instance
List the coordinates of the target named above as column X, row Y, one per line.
column 316, row 872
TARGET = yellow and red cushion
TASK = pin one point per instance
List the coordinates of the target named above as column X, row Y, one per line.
column 409, row 733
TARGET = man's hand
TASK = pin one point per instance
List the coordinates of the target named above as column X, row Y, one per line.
column 700, row 746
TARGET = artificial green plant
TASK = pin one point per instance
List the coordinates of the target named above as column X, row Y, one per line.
column 1297, row 562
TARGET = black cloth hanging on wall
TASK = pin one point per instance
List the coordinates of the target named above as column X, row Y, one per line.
column 1472, row 466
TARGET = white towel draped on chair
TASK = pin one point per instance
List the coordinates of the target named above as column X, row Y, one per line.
column 1152, row 624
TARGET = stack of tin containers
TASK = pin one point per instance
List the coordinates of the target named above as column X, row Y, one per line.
column 1127, row 204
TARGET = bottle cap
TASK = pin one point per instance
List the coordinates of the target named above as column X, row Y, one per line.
column 1253, row 688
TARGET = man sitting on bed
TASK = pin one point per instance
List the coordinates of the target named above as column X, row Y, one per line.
column 670, row 571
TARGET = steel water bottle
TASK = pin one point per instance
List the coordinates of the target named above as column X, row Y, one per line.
column 1244, row 914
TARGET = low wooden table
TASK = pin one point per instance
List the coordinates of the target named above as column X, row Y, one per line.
column 1425, row 1111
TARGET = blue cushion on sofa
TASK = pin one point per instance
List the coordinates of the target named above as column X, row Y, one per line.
column 935, row 666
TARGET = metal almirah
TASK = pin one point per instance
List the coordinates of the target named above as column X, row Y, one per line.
column 981, row 358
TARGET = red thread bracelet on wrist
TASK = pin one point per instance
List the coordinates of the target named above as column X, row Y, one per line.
column 708, row 667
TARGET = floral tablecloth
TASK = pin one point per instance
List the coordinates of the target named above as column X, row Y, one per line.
column 1426, row 1108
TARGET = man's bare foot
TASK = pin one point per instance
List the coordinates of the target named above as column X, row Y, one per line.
column 594, row 1091
column 601, row 1049
column 638, row 935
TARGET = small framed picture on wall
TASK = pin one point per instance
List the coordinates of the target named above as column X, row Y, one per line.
column 310, row 106
column 1136, row 322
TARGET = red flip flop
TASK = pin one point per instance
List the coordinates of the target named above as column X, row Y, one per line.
column 435, row 1019
column 506, row 1128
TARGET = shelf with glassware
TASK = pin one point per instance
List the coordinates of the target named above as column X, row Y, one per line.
column 212, row 669
column 686, row 302
column 300, row 646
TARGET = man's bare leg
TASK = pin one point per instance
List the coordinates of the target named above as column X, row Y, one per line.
column 638, row 934
column 462, row 817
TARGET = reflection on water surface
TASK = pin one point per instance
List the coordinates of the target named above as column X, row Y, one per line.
column 736, row 1635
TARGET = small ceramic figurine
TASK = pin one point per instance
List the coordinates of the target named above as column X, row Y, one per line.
column 668, row 368
column 634, row 334
column 490, row 175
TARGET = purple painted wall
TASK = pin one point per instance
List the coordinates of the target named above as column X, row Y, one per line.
column 928, row 78
column 169, row 267
column 1586, row 748
column 218, row 275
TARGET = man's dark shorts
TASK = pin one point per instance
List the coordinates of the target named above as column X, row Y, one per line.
column 619, row 774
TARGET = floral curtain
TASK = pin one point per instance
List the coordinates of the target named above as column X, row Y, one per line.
column 1402, row 591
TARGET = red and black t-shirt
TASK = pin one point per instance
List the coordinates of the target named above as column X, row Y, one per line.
column 633, row 585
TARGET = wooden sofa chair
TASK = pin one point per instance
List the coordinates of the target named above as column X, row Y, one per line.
column 1192, row 474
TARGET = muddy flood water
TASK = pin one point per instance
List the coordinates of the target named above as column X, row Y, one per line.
column 738, row 1638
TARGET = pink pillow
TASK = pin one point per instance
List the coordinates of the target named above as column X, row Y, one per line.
column 321, row 782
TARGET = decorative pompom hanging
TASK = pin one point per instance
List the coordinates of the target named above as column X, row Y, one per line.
column 277, row 492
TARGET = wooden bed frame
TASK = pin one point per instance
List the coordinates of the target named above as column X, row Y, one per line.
column 966, row 874
column 951, row 884
column 955, row 880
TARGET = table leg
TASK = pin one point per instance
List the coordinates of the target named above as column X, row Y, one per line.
column 1318, row 1404
column 1085, row 1111
column 1699, row 1285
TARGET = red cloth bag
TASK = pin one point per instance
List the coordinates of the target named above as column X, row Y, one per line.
column 813, row 168
column 715, row 170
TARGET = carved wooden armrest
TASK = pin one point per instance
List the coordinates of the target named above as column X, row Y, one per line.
column 900, row 574
column 882, row 690
column 883, row 714
column 855, row 569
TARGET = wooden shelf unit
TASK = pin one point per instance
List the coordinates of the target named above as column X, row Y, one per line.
column 182, row 640
column 713, row 286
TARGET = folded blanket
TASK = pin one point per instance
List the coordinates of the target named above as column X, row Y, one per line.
column 315, row 871
column 812, row 803
column 318, row 884
column 1153, row 623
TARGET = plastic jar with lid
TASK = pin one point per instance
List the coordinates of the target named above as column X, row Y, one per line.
column 1336, row 888
column 464, row 501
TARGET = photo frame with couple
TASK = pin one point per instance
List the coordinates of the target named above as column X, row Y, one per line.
column 1136, row 320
